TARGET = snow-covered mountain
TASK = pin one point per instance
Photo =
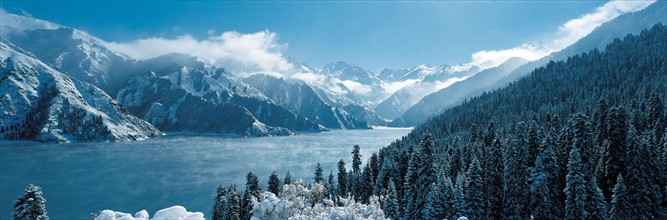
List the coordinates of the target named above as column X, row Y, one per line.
column 433, row 103
column 168, row 96
column 419, row 82
column 40, row 103
column 631, row 23
column 74, row 52
column 363, row 83
column 303, row 100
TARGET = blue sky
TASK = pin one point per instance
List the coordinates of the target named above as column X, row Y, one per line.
column 371, row 34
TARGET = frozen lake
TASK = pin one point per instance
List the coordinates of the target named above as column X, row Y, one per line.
column 79, row 179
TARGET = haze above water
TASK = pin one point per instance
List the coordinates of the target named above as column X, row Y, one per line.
column 79, row 179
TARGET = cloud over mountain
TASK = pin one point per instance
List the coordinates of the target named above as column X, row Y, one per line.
column 242, row 53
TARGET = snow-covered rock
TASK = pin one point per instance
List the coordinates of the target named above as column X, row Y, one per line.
column 40, row 103
column 171, row 213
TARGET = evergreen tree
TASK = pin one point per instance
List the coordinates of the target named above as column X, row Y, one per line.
column 220, row 203
column 391, row 204
column 575, row 189
column 493, row 181
column 421, row 173
column 356, row 159
column 31, row 205
column 233, row 207
column 375, row 167
column 474, row 193
column 274, row 183
column 288, row 179
column 459, row 206
column 319, row 176
column 620, row 204
column 342, row 179
column 596, row 206
column 614, row 155
column 331, row 187
column 384, row 177
column 516, row 192
column 252, row 189
column 642, row 196
column 435, row 207
column 544, row 197
column 364, row 185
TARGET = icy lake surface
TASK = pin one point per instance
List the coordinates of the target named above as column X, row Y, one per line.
column 79, row 179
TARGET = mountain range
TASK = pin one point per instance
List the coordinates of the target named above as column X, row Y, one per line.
column 46, row 67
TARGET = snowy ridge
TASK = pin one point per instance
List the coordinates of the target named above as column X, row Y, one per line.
column 45, row 105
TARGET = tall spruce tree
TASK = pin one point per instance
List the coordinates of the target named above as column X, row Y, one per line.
column 220, row 203
column 421, row 173
column 516, row 191
column 274, row 183
column 575, row 188
column 614, row 154
column 474, row 193
column 493, row 181
column 252, row 189
column 288, row 178
column 621, row 208
column 391, row 205
column 642, row 196
column 319, row 175
column 31, row 205
column 545, row 202
column 233, row 207
column 342, row 179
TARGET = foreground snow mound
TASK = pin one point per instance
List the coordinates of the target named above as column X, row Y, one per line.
column 40, row 103
column 298, row 202
column 171, row 213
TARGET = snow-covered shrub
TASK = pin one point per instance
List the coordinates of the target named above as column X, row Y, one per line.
column 171, row 213
column 298, row 202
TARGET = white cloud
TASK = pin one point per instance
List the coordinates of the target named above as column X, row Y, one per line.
column 241, row 53
column 491, row 58
column 357, row 87
column 567, row 34
column 575, row 29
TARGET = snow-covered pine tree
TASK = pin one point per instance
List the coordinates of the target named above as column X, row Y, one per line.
column 575, row 188
column 544, row 197
column 614, row 156
column 220, row 202
column 342, row 179
column 31, row 205
column 331, row 187
column 356, row 159
column 274, row 183
column 421, row 173
column 391, row 205
column 516, row 192
column 493, row 181
column 474, row 192
column 319, row 176
column 233, row 207
column 642, row 196
column 434, row 208
column 620, row 204
column 459, row 207
column 384, row 176
column 288, row 178
column 375, row 166
column 252, row 189
column 364, row 185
